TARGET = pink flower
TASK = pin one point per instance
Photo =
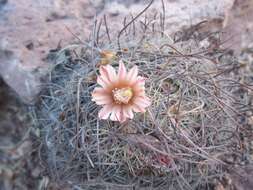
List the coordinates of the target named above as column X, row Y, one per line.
column 120, row 94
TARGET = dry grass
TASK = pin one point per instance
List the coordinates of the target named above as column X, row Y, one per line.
column 193, row 132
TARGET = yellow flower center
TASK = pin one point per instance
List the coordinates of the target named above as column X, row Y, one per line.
column 122, row 95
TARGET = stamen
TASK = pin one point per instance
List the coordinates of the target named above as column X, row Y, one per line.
column 122, row 95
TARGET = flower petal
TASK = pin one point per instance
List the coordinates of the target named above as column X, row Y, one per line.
column 108, row 73
column 102, row 82
column 142, row 102
column 140, row 81
column 115, row 109
column 122, row 71
column 122, row 117
column 99, row 90
column 132, row 75
column 117, row 114
column 137, row 108
column 102, row 99
column 127, row 111
column 112, row 73
column 109, row 81
column 105, row 112
column 139, row 86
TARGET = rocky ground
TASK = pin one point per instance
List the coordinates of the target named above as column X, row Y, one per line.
column 30, row 29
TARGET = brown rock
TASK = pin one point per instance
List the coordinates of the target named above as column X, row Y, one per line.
column 24, row 82
column 178, row 14
column 29, row 29
column 238, row 26
column 242, row 178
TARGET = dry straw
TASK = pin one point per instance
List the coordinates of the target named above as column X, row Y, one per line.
column 191, row 134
